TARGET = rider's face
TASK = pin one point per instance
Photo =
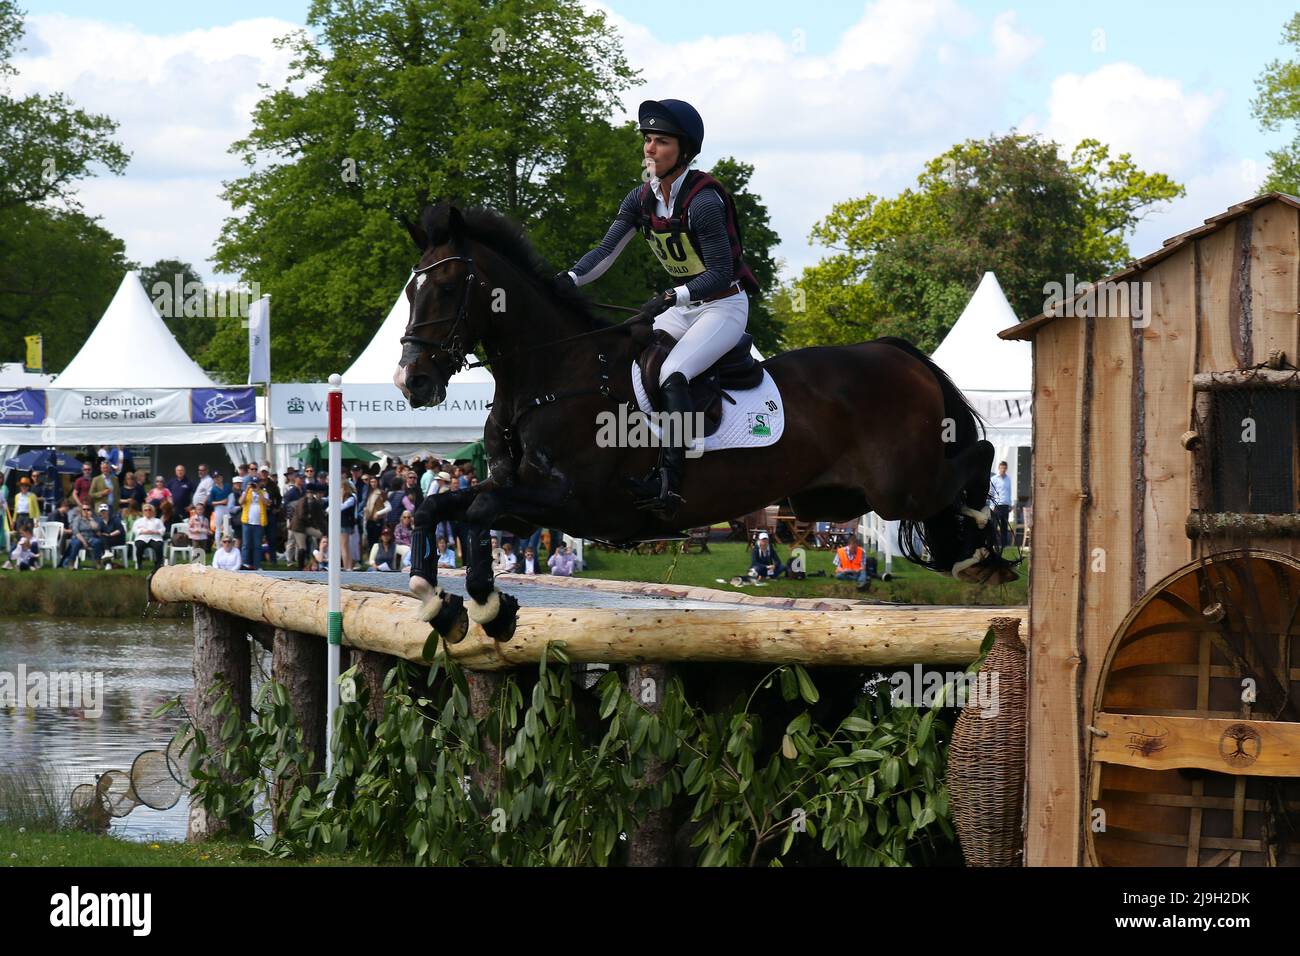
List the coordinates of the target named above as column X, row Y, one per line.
column 662, row 149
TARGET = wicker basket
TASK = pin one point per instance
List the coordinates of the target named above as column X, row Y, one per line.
column 986, row 762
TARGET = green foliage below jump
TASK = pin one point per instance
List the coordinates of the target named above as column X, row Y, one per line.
column 553, row 775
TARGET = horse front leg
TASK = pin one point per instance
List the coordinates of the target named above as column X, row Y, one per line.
column 496, row 611
column 441, row 608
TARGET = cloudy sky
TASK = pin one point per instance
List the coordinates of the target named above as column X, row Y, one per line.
column 828, row 100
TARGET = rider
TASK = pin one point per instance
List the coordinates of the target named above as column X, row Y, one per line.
column 690, row 221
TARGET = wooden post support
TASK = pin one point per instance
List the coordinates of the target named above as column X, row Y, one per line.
column 651, row 843
column 483, row 687
column 372, row 670
column 220, row 650
column 298, row 663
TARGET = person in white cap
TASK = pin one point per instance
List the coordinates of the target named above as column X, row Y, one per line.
column 764, row 562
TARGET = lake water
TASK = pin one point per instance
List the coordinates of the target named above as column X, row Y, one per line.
column 139, row 664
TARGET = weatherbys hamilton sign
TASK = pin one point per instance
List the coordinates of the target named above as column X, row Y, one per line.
column 302, row 405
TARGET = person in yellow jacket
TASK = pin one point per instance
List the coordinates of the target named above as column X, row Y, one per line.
column 254, row 516
column 26, row 511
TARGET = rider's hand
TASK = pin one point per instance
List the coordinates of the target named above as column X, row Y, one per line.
column 660, row 302
column 563, row 282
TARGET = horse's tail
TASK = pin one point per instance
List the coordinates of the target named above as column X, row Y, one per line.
column 942, row 534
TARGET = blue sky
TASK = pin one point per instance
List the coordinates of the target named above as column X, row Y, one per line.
column 862, row 93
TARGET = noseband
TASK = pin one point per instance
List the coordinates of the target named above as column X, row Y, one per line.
column 452, row 345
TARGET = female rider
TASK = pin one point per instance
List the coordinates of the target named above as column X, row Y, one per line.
column 690, row 221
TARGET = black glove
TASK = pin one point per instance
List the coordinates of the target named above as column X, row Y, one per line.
column 658, row 303
column 563, row 283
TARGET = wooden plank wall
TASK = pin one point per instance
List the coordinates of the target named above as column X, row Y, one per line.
column 1217, row 317
column 1273, row 281
column 1169, row 347
column 1115, row 506
column 1052, row 781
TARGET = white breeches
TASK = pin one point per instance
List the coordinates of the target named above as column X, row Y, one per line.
column 704, row 333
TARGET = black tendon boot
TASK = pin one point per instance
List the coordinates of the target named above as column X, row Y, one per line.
column 443, row 609
column 657, row 492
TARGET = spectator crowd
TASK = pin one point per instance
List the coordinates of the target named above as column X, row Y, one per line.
column 112, row 514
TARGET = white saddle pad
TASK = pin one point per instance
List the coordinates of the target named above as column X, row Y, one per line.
column 754, row 421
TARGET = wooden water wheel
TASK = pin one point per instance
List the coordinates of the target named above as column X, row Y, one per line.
column 1194, row 750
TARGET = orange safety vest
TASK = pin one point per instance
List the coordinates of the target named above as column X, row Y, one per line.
column 846, row 564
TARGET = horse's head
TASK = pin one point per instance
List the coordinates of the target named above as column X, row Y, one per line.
column 441, row 328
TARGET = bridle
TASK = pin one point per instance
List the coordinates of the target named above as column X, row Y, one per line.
column 454, row 348
column 452, row 345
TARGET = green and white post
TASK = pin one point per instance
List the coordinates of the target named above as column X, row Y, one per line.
column 335, row 621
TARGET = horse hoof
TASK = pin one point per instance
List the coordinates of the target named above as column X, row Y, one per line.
column 968, row 571
column 451, row 622
column 502, row 626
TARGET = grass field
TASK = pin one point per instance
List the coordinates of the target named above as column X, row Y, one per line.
column 20, row 847
column 121, row 591
column 910, row 585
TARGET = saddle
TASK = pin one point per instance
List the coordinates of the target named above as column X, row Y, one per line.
column 737, row 370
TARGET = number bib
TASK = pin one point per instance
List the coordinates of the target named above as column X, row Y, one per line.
column 677, row 254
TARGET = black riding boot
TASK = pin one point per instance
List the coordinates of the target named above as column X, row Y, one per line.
column 657, row 492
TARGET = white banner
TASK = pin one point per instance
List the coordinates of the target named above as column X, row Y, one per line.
column 150, row 406
column 300, row 407
column 259, row 341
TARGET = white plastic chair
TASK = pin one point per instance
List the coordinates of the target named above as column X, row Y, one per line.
column 172, row 550
column 128, row 552
column 51, row 538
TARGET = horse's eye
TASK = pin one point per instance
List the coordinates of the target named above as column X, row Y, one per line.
column 448, row 288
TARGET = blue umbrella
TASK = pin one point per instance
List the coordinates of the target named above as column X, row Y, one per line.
column 40, row 459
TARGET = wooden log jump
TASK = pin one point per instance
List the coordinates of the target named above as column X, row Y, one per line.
column 870, row 635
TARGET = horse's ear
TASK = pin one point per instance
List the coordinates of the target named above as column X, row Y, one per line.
column 416, row 233
column 455, row 222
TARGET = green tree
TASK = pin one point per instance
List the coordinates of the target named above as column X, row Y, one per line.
column 1277, row 102
column 58, row 272
column 391, row 105
column 47, row 143
column 59, row 267
column 906, row 266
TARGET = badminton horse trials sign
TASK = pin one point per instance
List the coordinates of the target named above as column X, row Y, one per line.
column 380, row 406
column 155, row 406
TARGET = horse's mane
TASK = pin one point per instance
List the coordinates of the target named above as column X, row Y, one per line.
column 507, row 239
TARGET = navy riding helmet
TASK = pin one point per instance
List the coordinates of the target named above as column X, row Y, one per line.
column 676, row 118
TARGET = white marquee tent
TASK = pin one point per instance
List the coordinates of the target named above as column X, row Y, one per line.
column 132, row 383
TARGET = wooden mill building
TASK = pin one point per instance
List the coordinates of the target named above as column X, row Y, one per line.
column 1165, row 430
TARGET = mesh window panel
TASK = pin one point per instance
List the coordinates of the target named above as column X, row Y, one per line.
column 1255, row 476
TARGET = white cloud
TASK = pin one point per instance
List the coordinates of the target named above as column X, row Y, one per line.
column 1163, row 125
column 1012, row 47
column 180, row 101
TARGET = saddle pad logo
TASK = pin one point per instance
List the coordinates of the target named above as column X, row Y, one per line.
column 760, row 424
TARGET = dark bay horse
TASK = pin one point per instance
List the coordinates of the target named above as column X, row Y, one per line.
column 869, row 427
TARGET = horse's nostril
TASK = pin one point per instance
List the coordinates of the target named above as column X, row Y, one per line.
column 419, row 383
